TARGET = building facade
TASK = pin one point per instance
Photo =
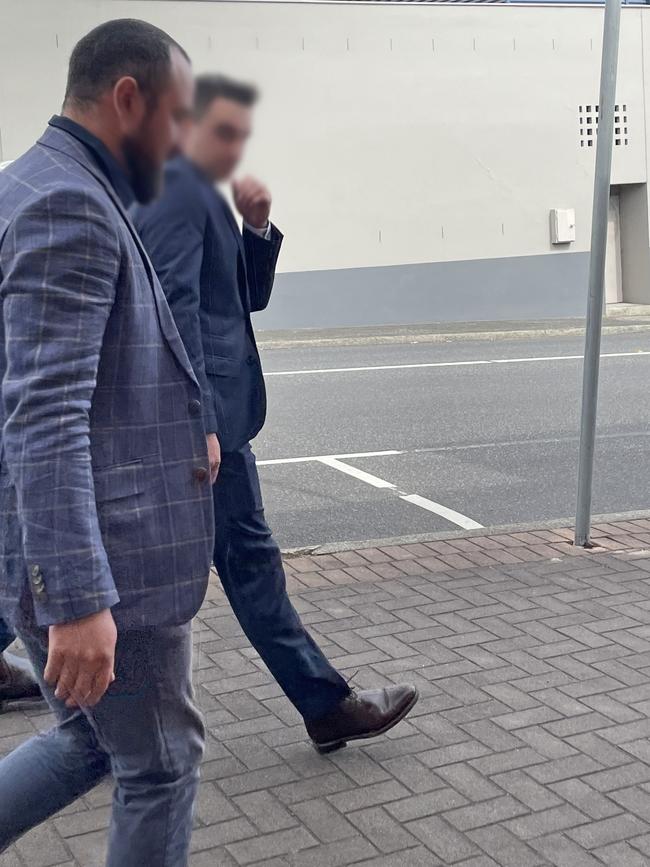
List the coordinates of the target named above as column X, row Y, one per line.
column 416, row 151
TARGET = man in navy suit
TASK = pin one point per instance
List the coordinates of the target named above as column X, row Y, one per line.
column 214, row 277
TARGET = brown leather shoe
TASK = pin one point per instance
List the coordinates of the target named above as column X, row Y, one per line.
column 17, row 681
column 362, row 715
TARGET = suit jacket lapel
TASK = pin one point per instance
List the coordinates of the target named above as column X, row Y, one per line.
column 61, row 141
column 233, row 226
column 242, row 274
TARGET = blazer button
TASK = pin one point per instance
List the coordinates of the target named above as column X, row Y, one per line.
column 200, row 474
column 251, row 360
column 194, row 407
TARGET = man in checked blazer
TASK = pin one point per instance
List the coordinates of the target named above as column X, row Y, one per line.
column 106, row 519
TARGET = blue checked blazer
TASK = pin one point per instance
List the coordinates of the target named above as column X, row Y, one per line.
column 105, row 498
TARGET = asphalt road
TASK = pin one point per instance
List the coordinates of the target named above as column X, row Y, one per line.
column 477, row 443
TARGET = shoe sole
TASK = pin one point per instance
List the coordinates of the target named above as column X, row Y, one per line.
column 16, row 704
column 334, row 746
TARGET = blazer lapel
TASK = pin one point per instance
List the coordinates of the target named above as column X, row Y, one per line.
column 242, row 274
column 230, row 219
column 61, row 141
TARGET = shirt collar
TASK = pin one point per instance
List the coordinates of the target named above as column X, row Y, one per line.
column 101, row 155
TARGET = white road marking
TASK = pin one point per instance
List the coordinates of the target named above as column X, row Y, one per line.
column 369, row 479
column 308, row 458
column 448, row 514
column 336, row 462
column 432, row 364
column 460, row 447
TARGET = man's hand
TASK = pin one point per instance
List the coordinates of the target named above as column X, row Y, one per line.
column 214, row 456
column 81, row 659
column 253, row 201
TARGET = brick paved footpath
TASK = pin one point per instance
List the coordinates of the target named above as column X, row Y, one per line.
column 530, row 744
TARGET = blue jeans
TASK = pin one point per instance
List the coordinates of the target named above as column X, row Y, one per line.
column 249, row 564
column 6, row 635
column 145, row 731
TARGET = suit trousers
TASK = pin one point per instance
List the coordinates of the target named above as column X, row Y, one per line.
column 145, row 731
column 249, row 564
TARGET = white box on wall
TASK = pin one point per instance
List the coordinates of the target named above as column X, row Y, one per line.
column 563, row 225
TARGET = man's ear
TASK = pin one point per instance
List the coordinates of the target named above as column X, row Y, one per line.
column 129, row 103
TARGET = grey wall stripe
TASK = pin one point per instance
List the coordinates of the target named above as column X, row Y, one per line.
column 533, row 287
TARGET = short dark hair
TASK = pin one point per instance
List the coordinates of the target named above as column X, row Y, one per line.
column 124, row 46
column 211, row 87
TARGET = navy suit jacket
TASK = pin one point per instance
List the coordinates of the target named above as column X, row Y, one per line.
column 214, row 277
column 105, row 499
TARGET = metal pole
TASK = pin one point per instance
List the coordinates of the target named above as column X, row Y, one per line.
column 597, row 268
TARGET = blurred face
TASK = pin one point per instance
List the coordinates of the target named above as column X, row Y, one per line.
column 217, row 140
column 152, row 133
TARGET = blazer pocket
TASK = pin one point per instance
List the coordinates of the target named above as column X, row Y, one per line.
column 119, row 482
column 219, row 365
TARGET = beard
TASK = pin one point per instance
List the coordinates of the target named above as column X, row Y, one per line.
column 144, row 173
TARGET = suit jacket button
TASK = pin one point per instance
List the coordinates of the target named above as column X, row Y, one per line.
column 251, row 360
column 200, row 474
column 194, row 407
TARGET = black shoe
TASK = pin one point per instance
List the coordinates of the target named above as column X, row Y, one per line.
column 362, row 715
column 17, row 682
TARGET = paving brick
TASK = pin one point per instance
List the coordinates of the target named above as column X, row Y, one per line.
column 43, row 848
column 265, row 811
column 415, row 857
column 213, row 836
column 89, row 850
column 605, row 831
column 577, row 724
column 563, row 769
column 504, row 847
column 491, row 735
column 563, row 852
column 269, row 845
column 468, row 782
column 360, row 767
column 323, row 820
column 253, row 753
column 444, row 841
column 382, row 830
column 368, row 796
column 621, row 855
column 339, row 854
column 479, row 861
column 489, row 812
column 525, row 789
column 617, row 778
column 546, row 822
column 413, row 774
column 586, row 799
column 633, row 799
column 418, row 806
column 544, row 743
column 592, row 744
column 497, row 763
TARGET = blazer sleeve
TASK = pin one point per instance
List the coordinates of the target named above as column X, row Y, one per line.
column 173, row 230
column 59, row 263
column 261, row 260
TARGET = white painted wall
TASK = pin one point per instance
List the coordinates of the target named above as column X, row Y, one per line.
column 388, row 134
